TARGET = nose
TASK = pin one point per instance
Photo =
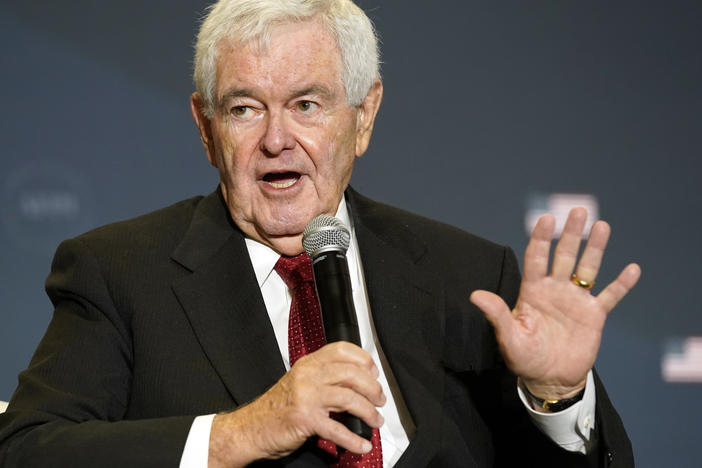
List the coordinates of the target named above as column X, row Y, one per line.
column 278, row 136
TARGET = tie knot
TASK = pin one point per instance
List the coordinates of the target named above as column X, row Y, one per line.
column 295, row 270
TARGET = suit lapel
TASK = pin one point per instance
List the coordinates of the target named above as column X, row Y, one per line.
column 223, row 303
column 405, row 302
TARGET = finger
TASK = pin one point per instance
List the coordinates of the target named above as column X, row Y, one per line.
column 341, row 399
column 536, row 254
column 343, row 351
column 342, row 364
column 495, row 310
column 355, row 378
column 336, row 432
column 566, row 252
column 590, row 262
column 617, row 289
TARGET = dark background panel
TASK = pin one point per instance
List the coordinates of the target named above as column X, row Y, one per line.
column 488, row 106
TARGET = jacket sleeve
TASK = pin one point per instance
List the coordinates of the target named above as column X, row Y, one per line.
column 70, row 405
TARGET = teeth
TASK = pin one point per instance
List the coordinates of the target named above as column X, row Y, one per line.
column 282, row 185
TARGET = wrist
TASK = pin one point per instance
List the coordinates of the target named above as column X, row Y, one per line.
column 551, row 390
column 230, row 445
column 552, row 399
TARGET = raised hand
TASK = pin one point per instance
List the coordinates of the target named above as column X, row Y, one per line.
column 551, row 338
column 339, row 377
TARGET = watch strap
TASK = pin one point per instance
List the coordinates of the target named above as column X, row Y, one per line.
column 553, row 405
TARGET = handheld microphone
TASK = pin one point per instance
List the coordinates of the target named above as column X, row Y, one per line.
column 326, row 241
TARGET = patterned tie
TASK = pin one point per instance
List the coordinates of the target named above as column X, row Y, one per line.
column 306, row 335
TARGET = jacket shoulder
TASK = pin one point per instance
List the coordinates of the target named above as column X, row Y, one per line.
column 128, row 255
column 157, row 229
column 440, row 239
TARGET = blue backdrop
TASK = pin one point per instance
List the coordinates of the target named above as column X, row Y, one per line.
column 490, row 108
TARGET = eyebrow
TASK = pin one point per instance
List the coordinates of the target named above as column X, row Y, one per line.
column 236, row 93
column 315, row 89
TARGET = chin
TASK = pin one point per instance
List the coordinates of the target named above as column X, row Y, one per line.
column 288, row 247
column 281, row 228
column 291, row 220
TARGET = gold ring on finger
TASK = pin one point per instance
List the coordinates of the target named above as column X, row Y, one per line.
column 582, row 283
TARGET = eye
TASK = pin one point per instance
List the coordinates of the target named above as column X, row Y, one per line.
column 242, row 112
column 307, row 107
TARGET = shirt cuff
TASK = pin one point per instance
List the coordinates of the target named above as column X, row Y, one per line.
column 197, row 446
column 571, row 427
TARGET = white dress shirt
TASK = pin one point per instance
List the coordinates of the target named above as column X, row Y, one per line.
column 569, row 428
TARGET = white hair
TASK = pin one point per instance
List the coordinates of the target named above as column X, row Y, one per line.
column 251, row 21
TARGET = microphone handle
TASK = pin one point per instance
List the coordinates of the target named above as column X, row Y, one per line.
column 333, row 283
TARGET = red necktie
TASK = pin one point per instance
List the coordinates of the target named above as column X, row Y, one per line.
column 306, row 335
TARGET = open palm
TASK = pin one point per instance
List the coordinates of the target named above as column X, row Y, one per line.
column 551, row 338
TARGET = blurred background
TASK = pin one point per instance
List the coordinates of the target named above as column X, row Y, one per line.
column 493, row 113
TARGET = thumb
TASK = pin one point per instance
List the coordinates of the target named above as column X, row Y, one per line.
column 495, row 309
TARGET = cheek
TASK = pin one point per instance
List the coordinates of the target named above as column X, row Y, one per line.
column 341, row 151
column 232, row 151
column 327, row 158
column 334, row 168
column 336, row 147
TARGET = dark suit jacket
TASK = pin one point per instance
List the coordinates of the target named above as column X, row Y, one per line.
column 159, row 319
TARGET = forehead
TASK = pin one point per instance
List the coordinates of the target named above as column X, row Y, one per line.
column 296, row 54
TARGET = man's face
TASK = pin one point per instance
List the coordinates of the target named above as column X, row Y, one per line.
column 283, row 137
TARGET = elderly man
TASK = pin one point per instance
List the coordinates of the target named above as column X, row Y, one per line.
column 186, row 336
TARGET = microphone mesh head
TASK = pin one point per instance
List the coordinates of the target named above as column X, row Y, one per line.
column 325, row 233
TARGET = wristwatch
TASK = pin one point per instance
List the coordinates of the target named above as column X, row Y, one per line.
column 553, row 405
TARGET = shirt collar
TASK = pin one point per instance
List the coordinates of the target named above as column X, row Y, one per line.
column 263, row 258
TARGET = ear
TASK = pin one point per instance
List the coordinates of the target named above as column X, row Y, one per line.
column 204, row 125
column 365, row 117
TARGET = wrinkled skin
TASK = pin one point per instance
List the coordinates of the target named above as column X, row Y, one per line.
column 283, row 137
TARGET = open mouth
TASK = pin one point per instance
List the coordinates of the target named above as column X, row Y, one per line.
column 281, row 180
